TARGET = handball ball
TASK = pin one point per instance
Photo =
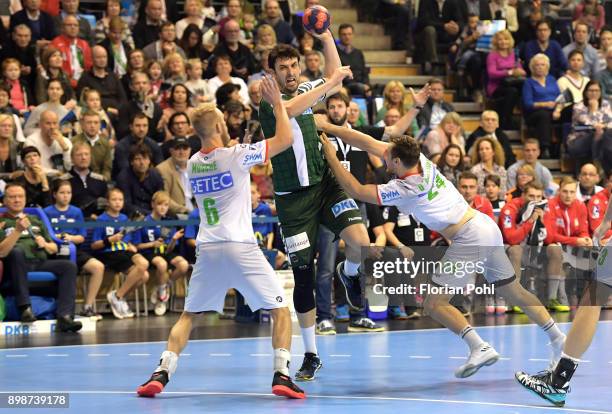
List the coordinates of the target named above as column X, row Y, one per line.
column 316, row 19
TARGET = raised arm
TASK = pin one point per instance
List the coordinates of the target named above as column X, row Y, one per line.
column 352, row 137
column 330, row 52
column 283, row 138
column 367, row 193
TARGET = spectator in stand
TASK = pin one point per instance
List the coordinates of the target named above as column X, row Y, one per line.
column 51, row 68
column 26, row 246
column 448, row 131
column 399, row 18
column 88, row 188
column 540, row 93
column 8, row 145
column 117, row 49
column 19, row 89
column 197, row 86
column 174, row 175
column 139, row 125
column 103, row 26
column 141, row 102
column 71, row 8
column 581, row 7
column 179, row 100
column 76, row 50
column 114, row 248
column 313, row 70
column 588, row 178
column 531, row 153
column 165, row 45
column 179, row 126
column 53, row 146
column 467, row 61
column 146, row 31
column 226, row 93
column 494, row 194
column 135, row 63
column 489, row 126
column 505, row 75
column 353, row 57
column 591, row 128
column 543, row 44
column 241, row 58
column 192, row 43
column 525, row 174
column 34, row 179
column 234, row 12
column 435, row 108
column 91, row 100
column 605, row 76
column 581, row 43
column 233, row 113
column 438, row 24
column 575, row 82
column 307, row 44
column 605, row 42
column 102, row 79
column 21, row 47
column 394, row 96
column 223, row 69
column 468, row 187
column 265, row 42
column 174, row 71
column 101, row 151
column 391, row 117
column 40, row 23
column 62, row 212
column 566, row 225
column 193, row 15
column 55, row 93
column 273, row 16
column 451, row 163
column 355, row 117
column 487, row 157
column 596, row 209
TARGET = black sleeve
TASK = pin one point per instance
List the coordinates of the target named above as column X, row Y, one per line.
column 393, row 214
column 373, row 131
column 375, row 216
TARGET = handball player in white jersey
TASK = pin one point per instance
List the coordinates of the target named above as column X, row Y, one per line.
column 227, row 252
column 425, row 193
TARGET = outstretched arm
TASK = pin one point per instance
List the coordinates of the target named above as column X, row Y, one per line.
column 283, row 138
column 330, row 52
column 367, row 193
column 351, row 136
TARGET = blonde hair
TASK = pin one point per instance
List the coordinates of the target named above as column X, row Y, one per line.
column 502, row 33
column 566, row 181
column 160, row 197
column 527, row 169
column 539, row 56
column 269, row 29
column 168, row 60
column 5, row 117
column 204, row 119
column 451, row 117
column 387, row 92
column 499, row 157
column 191, row 63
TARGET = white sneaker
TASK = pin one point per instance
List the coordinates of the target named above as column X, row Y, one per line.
column 161, row 308
column 127, row 312
column 325, row 327
column 116, row 304
column 556, row 348
column 484, row 356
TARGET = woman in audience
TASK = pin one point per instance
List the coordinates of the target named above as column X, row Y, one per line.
column 117, row 49
column 135, row 63
column 55, row 92
column 524, row 175
column 174, row 69
column 451, row 163
column 448, row 131
column 394, row 96
column 8, row 145
column 540, row 94
column 153, row 68
column 193, row 15
column 574, row 81
column 266, row 41
column 223, row 69
column 505, row 77
column 605, row 42
column 191, row 43
column 488, row 158
column 591, row 123
column 52, row 62
column 102, row 29
column 179, row 100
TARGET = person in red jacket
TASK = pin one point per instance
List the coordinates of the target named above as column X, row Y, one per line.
column 76, row 51
column 566, row 225
column 596, row 209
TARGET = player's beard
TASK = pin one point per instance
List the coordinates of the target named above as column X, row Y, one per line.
column 339, row 122
column 290, row 90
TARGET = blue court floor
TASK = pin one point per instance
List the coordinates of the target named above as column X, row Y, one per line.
column 396, row 372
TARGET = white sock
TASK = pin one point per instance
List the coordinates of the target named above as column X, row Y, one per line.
column 471, row 337
column 552, row 330
column 571, row 358
column 282, row 358
column 350, row 268
column 167, row 362
column 553, row 286
column 309, row 338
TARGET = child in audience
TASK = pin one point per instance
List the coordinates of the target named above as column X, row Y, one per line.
column 196, row 85
column 19, row 91
column 92, row 100
column 154, row 70
column 493, row 191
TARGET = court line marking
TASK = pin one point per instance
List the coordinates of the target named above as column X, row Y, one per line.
column 139, row 354
column 419, row 356
column 220, row 355
column 348, row 356
column 260, row 355
column 24, row 356
column 403, row 331
column 538, row 360
column 98, row 355
column 339, row 397
column 380, row 356
column 57, row 355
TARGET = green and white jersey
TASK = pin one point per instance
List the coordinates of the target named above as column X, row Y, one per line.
column 302, row 165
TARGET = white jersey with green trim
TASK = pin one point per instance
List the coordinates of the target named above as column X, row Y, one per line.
column 220, row 183
column 429, row 197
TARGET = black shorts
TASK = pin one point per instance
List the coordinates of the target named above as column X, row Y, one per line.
column 82, row 258
column 167, row 256
column 119, row 261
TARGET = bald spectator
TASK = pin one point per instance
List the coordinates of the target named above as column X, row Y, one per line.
column 165, row 45
column 588, row 178
column 243, row 61
column 147, row 30
column 489, row 125
column 71, row 8
column 40, row 23
column 21, row 47
column 255, row 99
column 274, row 17
column 101, row 79
column 76, row 51
column 101, row 151
column 54, row 148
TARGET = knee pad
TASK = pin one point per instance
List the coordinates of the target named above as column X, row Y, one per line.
column 303, row 292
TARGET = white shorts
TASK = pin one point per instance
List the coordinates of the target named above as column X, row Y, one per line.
column 477, row 248
column 603, row 268
column 241, row 266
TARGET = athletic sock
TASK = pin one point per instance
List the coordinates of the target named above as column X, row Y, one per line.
column 552, row 330
column 282, row 358
column 471, row 338
column 350, row 268
column 553, row 286
column 562, row 295
column 309, row 338
column 565, row 370
column 167, row 362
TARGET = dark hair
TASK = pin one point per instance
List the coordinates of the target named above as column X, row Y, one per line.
column 165, row 24
column 138, row 115
column 472, row 15
column 467, row 175
column 57, row 184
column 196, row 51
column 233, row 107
column 89, row 112
column 345, row 26
column 139, row 149
column 407, row 149
column 442, row 160
column 221, row 57
column 544, row 21
column 494, row 178
column 581, row 23
column 282, row 52
column 574, row 53
column 171, row 95
column 61, row 84
column 13, row 184
column 129, row 55
column 435, row 80
column 606, row 28
column 176, row 115
column 338, row 97
column 533, row 184
column 592, row 82
column 222, row 95
column 26, row 150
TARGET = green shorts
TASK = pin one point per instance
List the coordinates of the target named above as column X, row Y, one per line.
column 300, row 214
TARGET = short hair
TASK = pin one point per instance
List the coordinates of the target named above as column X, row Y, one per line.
column 581, row 23
column 23, row 26
column 467, row 175
column 534, row 141
column 160, row 197
column 164, row 25
column 116, row 24
column 338, row 97
column 12, row 184
column 282, row 52
column 345, row 26
column 223, row 93
column 566, row 180
column 544, row 21
column 494, row 178
column 9, row 61
column 539, row 56
column 489, row 112
column 89, row 112
column 114, row 190
column 434, row 81
column 407, row 149
column 77, row 145
column 176, row 115
column 233, row 107
column 138, row 115
column 57, row 184
column 26, row 150
column 574, row 53
column 139, row 149
column 191, row 63
column 535, row 184
column 204, row 119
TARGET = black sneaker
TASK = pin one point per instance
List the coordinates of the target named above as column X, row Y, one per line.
column 364, row 325
column 352, row 288
column 27, row 316
column 154, row 385
column 541, row 385
column 310, row 366
column 88, row 312
column 67, row 324
column 284, row 387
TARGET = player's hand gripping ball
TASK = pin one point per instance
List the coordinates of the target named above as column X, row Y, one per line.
column 316, row 19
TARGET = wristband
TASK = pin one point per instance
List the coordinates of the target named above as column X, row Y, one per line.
column 107, row 242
